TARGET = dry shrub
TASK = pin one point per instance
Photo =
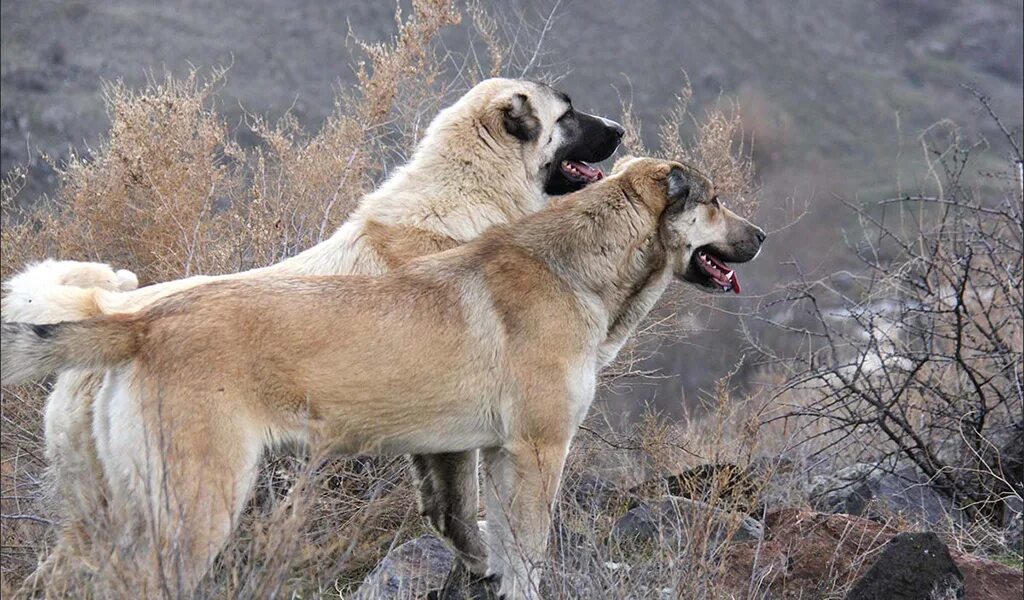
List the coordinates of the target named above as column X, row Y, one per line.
column 148, row 197
column 716, row 144
column 917, row 360
column 170, row 193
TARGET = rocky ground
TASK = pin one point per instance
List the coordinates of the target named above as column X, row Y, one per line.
column 869, row 540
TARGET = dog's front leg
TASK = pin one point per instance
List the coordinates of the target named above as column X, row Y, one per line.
column 449, row 491
column 521, row 484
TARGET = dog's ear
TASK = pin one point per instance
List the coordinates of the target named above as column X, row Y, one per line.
column 520, row 120
column 678, row 186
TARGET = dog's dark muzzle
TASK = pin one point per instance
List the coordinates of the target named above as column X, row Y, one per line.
column 598, row 137
column 588, row 139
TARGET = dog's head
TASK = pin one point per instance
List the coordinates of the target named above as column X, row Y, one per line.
column 556, row 141
column 699, row 233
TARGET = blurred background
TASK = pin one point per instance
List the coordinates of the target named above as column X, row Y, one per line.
column 835, row 97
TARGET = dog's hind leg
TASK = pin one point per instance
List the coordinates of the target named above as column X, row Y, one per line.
column 182, row 465
column 450, row 498
column 74, row 474
column 74, row 481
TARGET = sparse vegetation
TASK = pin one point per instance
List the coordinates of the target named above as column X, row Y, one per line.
column 914, row 360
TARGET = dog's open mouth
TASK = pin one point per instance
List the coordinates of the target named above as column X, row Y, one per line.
column 718, row 273
column 577, row 170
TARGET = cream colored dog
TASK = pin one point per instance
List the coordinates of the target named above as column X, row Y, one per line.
column 493, row 345
column 495, row 155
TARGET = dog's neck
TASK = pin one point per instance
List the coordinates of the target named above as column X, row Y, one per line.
column 440, row 199
column 607, row 246
column 495, row 182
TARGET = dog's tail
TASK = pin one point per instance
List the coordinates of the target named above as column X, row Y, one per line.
column 29, row 352
column 52, row 291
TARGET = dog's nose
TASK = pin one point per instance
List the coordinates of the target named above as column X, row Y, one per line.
column 761, row 235
column 617, row 129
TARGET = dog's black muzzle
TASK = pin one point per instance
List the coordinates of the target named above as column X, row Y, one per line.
column 589, row 139
column 597, row 138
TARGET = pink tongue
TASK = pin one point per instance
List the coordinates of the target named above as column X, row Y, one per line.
column 733, row 279
column 587, row 170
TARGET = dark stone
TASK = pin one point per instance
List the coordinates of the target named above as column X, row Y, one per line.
column 592, row 493
column 1013, row 532
column 639, row 525
column 912, row 566
column 409, row 571
column 868, row 490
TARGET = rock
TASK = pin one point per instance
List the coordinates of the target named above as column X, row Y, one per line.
column 807, row 554
column 1010, row 459
column 636, row 526
column 1013, row 533
column 989, row 580
column 591, row 493
column 673, row 522
column 867, row 490
column 912, row 566
column 409, row 571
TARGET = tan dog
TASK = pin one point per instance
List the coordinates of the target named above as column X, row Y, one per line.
column 493, row 345
column 495, row 155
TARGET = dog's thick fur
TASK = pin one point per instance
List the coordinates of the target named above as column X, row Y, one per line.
column 493, row 345
column 488, row 159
